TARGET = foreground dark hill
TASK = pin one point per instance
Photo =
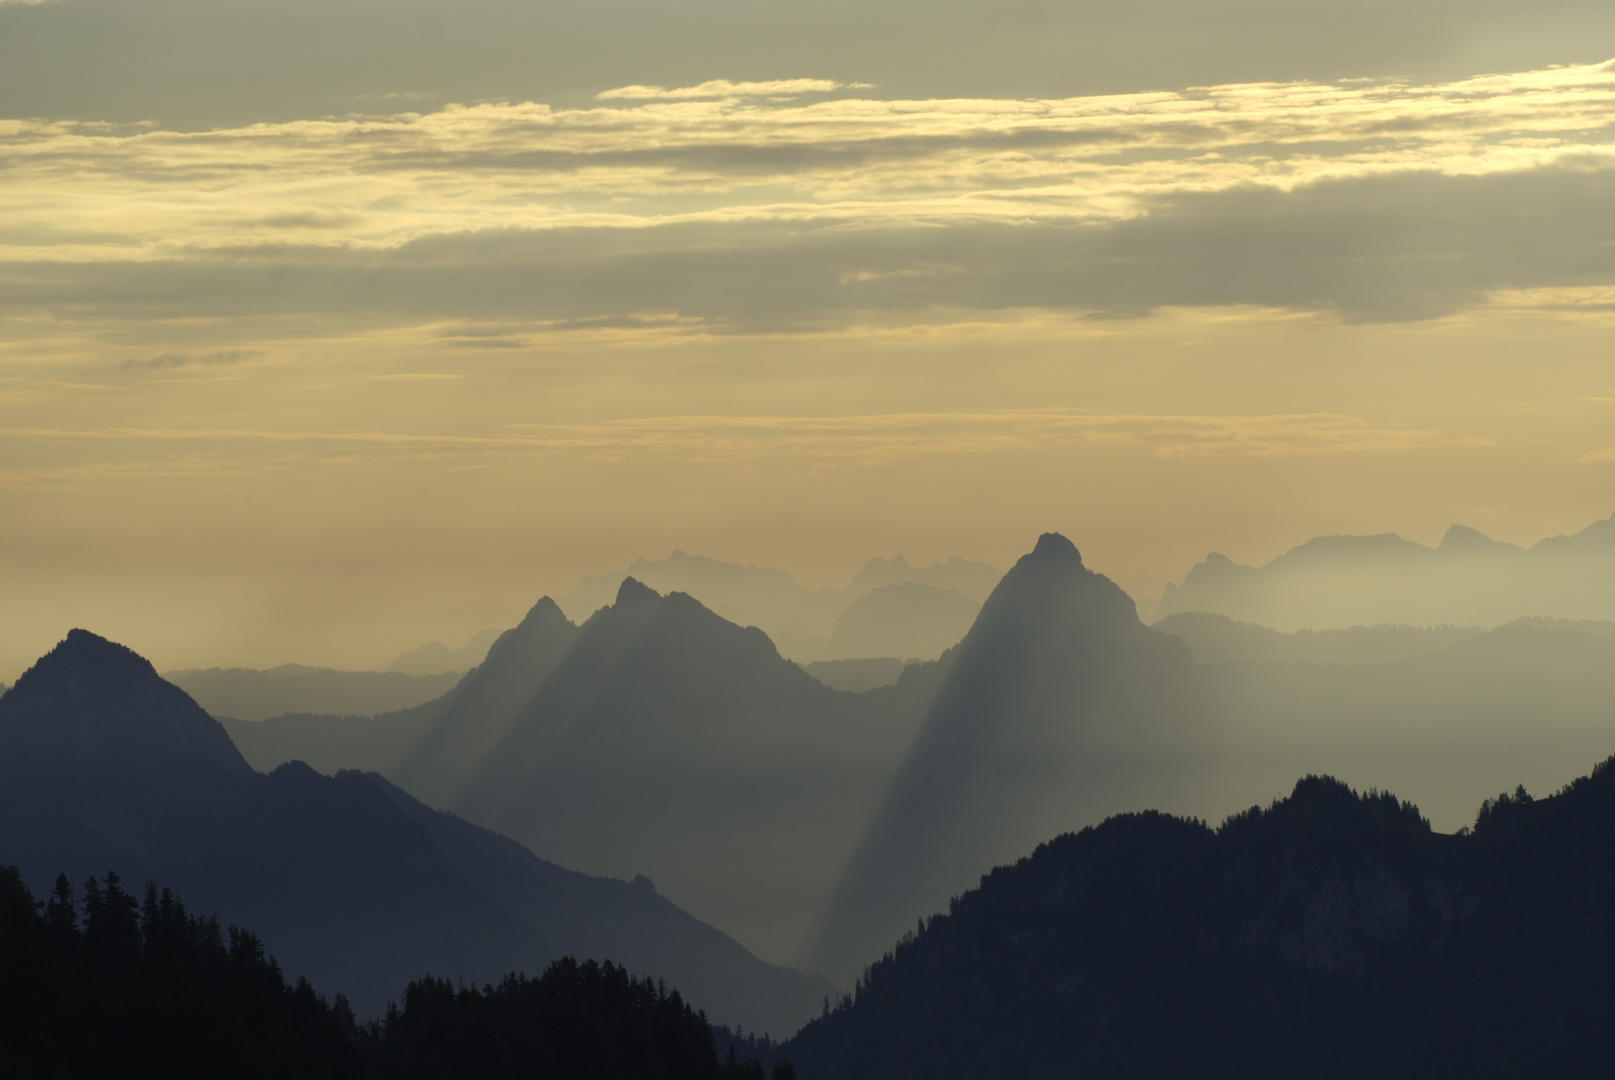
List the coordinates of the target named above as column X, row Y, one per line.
column 103, row 765
column 139, row 988
column 1330, row 935
column 1059, row 707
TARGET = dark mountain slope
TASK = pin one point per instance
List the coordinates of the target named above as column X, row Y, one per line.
column 1059, row 707
column 1331, row 935
column 105, row 766
column 675, row 744
column 359, row 886
column 587, row 916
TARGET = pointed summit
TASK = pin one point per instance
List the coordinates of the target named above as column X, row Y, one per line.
column 469, row 721
column 1051, row 545
column 92, row 706
column 634, row 591
column 1053, row 691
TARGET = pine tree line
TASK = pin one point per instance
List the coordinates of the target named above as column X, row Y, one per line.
column 104, row 984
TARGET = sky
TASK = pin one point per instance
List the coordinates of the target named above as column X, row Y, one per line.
column 329, row 328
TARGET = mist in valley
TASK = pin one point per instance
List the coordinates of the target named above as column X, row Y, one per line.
column 724, row 541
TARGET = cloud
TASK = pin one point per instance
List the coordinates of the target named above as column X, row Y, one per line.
column 1382, row 200
column 852, row 440
column 723, row 88
column 215, row 358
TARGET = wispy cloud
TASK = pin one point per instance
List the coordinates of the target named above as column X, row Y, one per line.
column 822, row 441
column 723, row 88
column 1123, row 188
column 214, row 358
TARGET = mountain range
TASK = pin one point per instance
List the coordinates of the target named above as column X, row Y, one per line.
column 658, row 739
column 105, row 766
column 815, row 824
column 818, row 624
column 1332, row 582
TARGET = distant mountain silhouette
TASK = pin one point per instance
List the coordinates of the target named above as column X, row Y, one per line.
column 1330, row 935
column 435, row 658
column 671, row 742
column 1468, row 580
column 246, row 694
column 912, row 620
column 798, row 620
column 1057, row 704
column 430, row 748
column 104, row 766
column 975, row 579
column 468, row 723
column 657, row 739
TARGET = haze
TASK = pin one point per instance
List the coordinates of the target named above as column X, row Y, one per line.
column 326, row 330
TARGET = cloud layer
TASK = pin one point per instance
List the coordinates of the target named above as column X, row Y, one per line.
column 1382, row 200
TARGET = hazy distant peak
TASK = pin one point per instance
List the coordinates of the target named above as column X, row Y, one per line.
column 545, row 611
column 1330, row 548
column 633, row 591
column 1462, row 540
column 1051, row 545
column 435, row 658
column 1599, row 536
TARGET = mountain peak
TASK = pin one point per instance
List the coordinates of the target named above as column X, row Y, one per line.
column 92, row 703
column 634, row 591
column 81, row 649
column 1051, row 545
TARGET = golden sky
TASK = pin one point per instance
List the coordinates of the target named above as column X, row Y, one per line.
column 316, row 387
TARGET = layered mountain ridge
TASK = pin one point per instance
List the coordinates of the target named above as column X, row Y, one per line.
column 1331, row 582
column 103, row 765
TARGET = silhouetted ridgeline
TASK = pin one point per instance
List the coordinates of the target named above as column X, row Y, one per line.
column 655, row 739
column 817, row 624
column 360, row 887
column 1332, row 934
column 1468, row 580
column 148, row 989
